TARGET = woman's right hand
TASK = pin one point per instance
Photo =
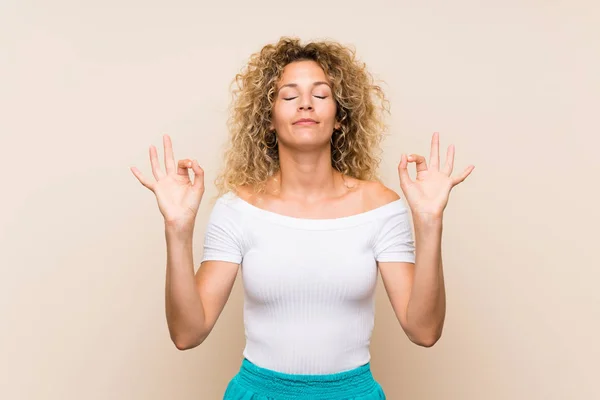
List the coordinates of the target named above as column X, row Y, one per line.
column 178, row 197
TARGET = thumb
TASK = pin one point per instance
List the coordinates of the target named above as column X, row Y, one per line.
column 403, row 171
column 198, row 176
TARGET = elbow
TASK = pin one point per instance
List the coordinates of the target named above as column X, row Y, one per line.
column 185, row 342
column 427, row 341
column 182, row 345
column 426, row 338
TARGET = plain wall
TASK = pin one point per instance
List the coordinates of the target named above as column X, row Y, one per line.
column 86, row 87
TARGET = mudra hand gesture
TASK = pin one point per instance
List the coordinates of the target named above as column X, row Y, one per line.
column 178, row 197
column 428, row 194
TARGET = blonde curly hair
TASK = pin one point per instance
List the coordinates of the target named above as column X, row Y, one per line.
column 251, row 157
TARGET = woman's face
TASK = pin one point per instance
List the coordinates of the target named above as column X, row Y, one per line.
column 304, row 109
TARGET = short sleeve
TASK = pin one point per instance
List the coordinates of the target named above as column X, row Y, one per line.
column 395, row 242
column 223, row 237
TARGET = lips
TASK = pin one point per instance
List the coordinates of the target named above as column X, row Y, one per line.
column 305, row 121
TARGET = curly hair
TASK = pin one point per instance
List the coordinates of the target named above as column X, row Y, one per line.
column 251, row 157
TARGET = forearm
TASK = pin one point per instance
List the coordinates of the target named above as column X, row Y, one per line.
column 185, row 315
column 427, row 304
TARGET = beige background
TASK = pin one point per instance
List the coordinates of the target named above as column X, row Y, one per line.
column 86, row 87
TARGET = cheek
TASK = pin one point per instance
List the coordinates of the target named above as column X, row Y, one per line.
column 329, row 109
column 283, row 112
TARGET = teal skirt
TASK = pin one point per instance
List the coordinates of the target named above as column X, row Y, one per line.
column 255, row 383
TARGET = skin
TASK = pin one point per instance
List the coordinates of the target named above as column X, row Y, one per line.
column 307, row 186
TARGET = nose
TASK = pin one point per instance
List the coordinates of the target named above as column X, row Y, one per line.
column 305, row 104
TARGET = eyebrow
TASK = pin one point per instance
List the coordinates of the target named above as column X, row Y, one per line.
column 296, row 85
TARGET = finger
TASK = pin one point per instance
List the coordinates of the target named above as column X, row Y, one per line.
column 198, row 176
column 463, row 176
column 142, row 178
column 421, row 162
column 435, row 152
column 155, row 164
column 449, row 166
column 403, row 171
column 183, row 167
column 169, row 156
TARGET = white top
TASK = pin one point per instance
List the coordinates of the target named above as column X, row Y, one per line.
column 308, row 283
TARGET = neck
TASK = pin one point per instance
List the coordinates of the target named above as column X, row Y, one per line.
column 307, row 177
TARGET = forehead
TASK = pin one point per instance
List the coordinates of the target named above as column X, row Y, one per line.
column 302, row 72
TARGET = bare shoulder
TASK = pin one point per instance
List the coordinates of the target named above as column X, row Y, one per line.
column 376, row 194
column 248, row 194
column 244, row 191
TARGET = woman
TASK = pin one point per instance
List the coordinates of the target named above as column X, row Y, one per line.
column 300, row 208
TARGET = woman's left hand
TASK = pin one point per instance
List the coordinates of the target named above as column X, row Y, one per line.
column 428, row 195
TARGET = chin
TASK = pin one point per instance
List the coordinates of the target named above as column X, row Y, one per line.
column 309, row 139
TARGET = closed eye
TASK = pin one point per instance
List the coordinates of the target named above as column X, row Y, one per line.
column 292, row 98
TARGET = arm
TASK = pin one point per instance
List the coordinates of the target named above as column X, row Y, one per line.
column 193, row 302
column 426, row 310
column 416, row 290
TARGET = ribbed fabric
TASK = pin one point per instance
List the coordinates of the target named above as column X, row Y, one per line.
column 308, row 283
column 255, row 383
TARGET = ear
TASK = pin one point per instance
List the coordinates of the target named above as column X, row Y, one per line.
column 337, row 125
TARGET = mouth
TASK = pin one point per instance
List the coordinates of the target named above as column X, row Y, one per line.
column 305, row 121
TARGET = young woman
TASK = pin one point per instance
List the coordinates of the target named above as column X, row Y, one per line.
column 301, row 210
